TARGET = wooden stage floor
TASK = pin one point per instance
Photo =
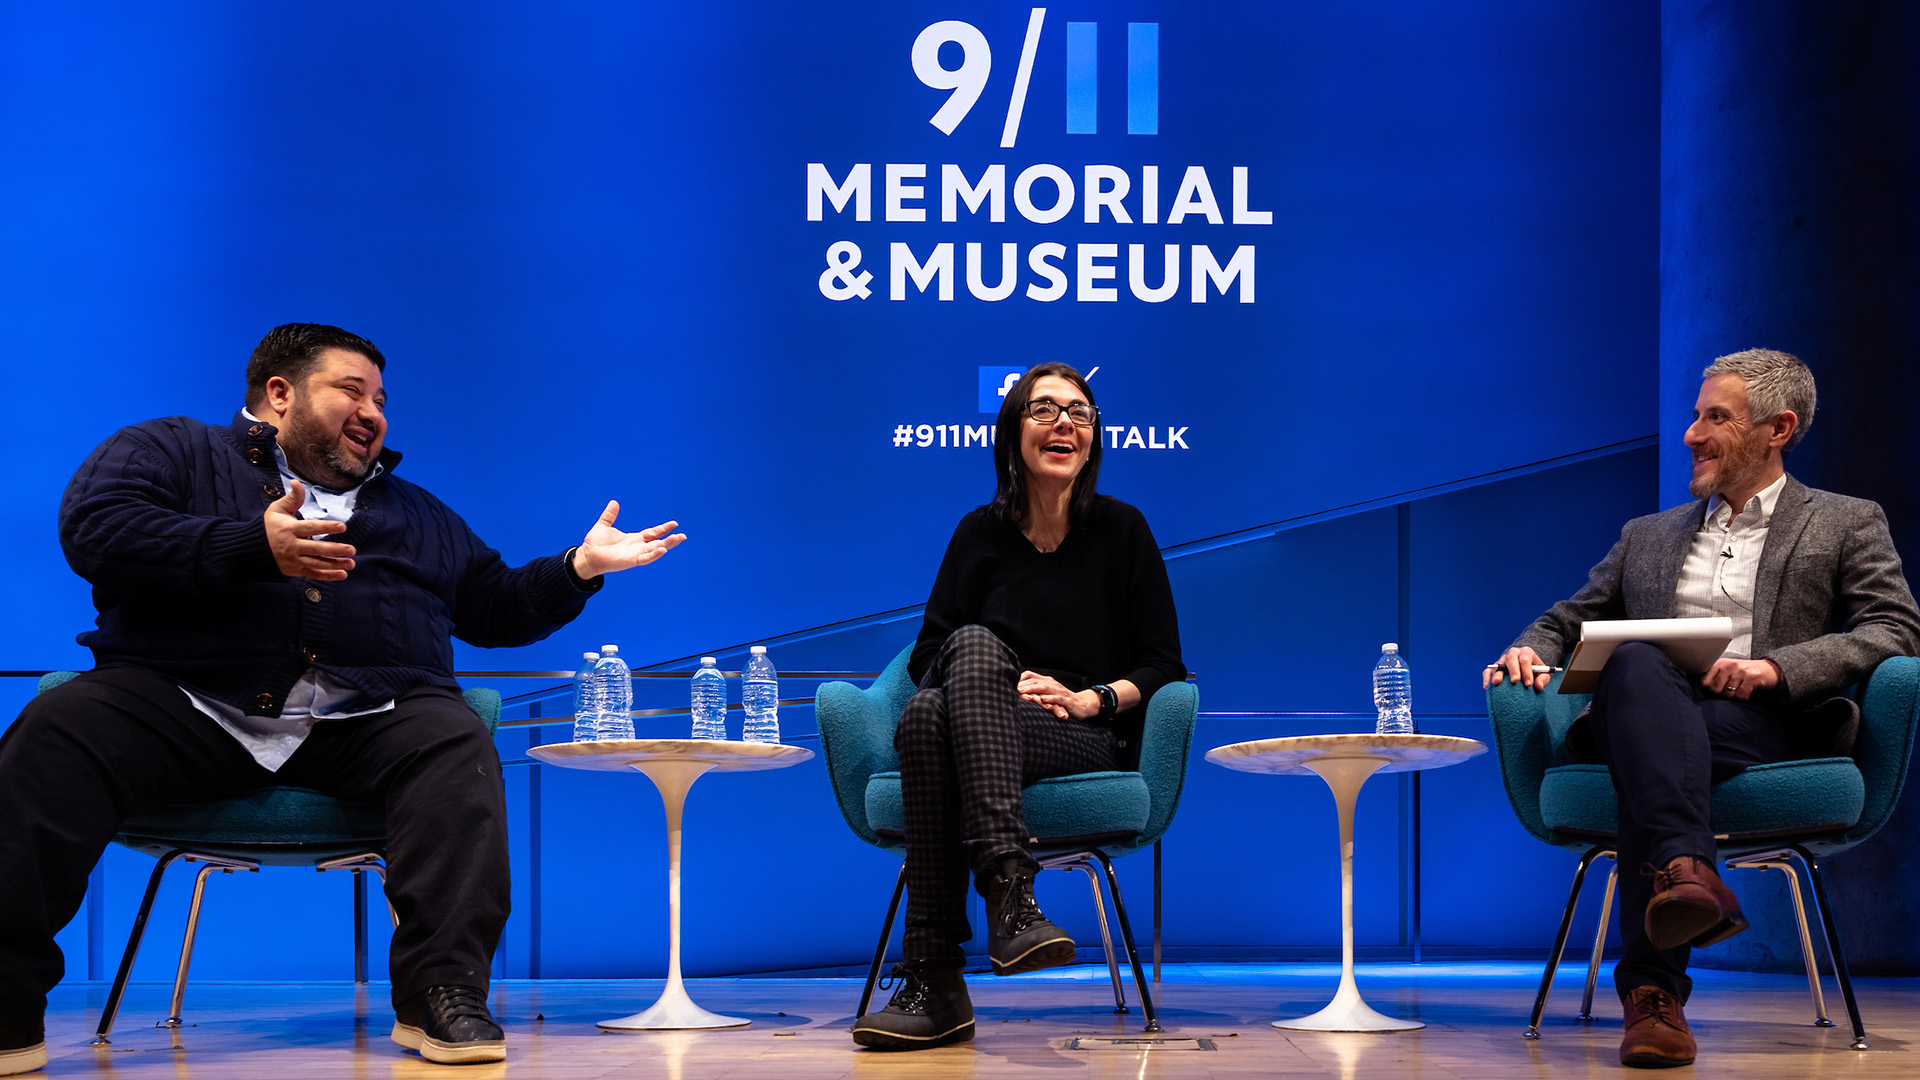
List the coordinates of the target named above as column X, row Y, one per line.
column 1753, row 1027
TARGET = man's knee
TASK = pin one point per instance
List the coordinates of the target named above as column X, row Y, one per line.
column 1638, row 660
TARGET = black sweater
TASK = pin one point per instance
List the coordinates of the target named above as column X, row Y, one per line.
column 1097, row 609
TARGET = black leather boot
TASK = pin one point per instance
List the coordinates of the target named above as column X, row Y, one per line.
column 931, row 1008
column 1019, row 938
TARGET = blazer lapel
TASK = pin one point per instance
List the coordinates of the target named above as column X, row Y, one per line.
column 1664, row 556
column 1790, row 518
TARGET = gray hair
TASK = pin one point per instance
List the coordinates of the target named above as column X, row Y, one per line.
column 1777, row 382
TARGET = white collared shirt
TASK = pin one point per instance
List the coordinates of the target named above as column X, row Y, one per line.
column 317, row 696
column 1723, row 563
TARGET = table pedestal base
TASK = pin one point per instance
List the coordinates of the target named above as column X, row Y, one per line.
column 1347, row 1012
column 674, row 1009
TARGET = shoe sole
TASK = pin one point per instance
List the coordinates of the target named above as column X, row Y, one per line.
column 440, row 1053
column 881, row 1039
column 1652, row 1059
column 1046, row 954
column 1673, row 925
column 23, row 1060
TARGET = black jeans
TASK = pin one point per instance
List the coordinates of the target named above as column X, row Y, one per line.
column 968, row 743
column 86, row 755
column 1668, row 741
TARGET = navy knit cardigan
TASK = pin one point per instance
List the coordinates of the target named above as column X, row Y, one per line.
column 165, row 520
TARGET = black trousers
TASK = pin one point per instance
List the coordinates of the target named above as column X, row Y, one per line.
column 967, row 745
column 1668, row 741
column 86, row 755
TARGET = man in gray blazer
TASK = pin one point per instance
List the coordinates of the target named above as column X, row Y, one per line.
column 1817, row 597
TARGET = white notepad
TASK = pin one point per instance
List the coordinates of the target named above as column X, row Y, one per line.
column 1694, row 644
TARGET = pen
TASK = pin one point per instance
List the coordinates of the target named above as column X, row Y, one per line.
column 1538, row 669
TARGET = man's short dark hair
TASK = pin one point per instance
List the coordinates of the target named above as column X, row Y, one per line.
column 293, row 350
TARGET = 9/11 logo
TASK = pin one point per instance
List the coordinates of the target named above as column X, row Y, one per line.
column 969, row 80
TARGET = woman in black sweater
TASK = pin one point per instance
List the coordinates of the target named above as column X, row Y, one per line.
column 1049, row 627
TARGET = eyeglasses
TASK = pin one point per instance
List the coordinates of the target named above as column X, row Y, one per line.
column 1046, row 411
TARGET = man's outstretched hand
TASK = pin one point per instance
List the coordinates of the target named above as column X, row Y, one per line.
column 295, row 543
column 607, row 549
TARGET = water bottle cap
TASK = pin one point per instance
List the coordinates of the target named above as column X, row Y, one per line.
column 1391, row 646
column 589, row 656
column 758, row 650
column 609, row 650
column 708, row 661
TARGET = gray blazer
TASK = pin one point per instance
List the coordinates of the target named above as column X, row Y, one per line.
column 1829, row 602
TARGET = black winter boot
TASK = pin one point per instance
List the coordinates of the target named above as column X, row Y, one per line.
column 1019, row 938
column 931, row 1008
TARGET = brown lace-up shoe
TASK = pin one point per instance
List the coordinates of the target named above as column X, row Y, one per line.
column 1691, row 906
column 1657, row 1034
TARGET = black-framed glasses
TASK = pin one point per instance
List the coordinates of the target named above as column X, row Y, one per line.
column 1046, row 411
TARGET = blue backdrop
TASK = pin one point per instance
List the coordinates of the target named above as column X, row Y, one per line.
column 609, row 252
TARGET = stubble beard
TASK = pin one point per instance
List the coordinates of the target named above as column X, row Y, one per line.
column 1737, row 467
column 317, row 456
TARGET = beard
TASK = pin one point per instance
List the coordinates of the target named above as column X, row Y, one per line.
column 1742, row 463
column 316, row 454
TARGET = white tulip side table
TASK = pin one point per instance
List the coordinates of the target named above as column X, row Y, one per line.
column 1345, row 762
column 673, row 765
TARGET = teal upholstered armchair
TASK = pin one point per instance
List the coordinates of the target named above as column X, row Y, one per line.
column 1771, row 816
column 1077, row 820
column 271, row 826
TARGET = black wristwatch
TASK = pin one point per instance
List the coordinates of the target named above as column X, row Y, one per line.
column 1109, row 701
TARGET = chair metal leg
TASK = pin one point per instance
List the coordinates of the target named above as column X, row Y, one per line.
column 1106, row 935
column 1126, row 935
column 880, row 950
column 134, row 936
column 1774, row 860
column 1560, row 940
column 225, row 866
column 359, row 927
column 1834, row 950
column 1599, row 944
column 1156, row 911
column 358, row 864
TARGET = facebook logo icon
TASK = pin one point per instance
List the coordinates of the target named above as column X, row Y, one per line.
column 994, row 384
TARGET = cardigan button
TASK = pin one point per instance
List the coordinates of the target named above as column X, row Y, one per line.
column 313, row 596
column 310, row 656
column 271, row 491
column 265, row 701
column 256, row 455
column 256, row 429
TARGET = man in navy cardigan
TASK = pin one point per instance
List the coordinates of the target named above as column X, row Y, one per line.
column 277, row 606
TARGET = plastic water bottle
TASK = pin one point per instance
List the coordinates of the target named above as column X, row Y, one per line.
column 760, row 698
column 1393, row 692
column 709, row 701
column 586, row 709
column 615, row 683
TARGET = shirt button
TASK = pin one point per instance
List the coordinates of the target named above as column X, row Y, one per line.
column 310, row 656
column 313, row 596
column 256, row 455
column 256, row 429
column 265, row 701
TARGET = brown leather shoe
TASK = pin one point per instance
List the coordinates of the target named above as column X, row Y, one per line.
column 1657, row 1034
column 1691, row 906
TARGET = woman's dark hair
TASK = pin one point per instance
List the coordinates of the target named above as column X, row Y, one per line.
column 1010, row 469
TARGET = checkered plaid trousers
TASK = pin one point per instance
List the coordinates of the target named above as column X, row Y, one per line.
column 967, row 745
